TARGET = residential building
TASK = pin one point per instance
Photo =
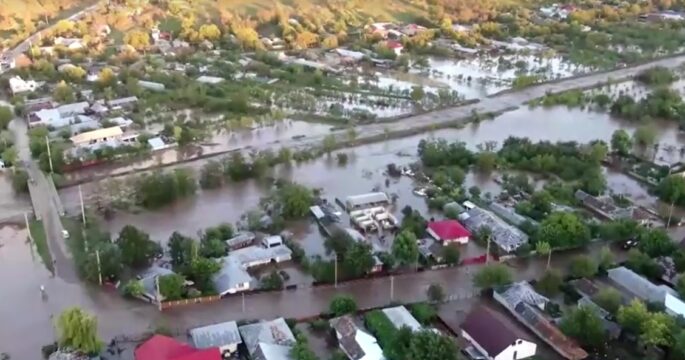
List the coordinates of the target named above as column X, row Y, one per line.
column 157, row 143
column 527, row 306
column 212, row 80
column 268, row 340
column 224, row 336
column 232, row 277
column 639, row 287
column 123, row 103
column 240, row 240
column 400, row 317
column 19, row 85
column 69, row 43
column 98, row 136
column 149, row 281
column 507, row 237
column 493, row 338
column 395, row 46
column 509, row 214
column 72, row 109
column 47, row 117
column 154, row 86
column 354, row 342
column 363, row 201
column 448, row 231
column 160, row 347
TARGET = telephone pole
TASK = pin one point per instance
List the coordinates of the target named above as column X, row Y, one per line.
column 242, row 294
column 47, row 143
column 97, row 257
column 159, row 295
column 487, row 251
column 392, row 288
column 336, row 270
column 83, row 208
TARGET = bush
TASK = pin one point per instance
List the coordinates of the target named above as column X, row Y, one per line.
column 342, row 304
column 435, row 293
column 423, row 312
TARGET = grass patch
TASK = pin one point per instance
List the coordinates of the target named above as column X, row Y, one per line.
column 40, row 241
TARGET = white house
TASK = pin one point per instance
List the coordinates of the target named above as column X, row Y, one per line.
column 150, row 85
column 493, row 338
column 19, row 85
column 69, row 43
column 224, row 336
column 97, row 136
column 354, row 342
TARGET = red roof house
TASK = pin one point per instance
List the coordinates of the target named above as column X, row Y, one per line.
column 448, row 231
column 161, row 347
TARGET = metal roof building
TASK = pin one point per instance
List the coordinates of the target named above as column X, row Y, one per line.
column 507, row 237
column 400, row 317
column 362, row 201
column 224, row 335
column 269, row 340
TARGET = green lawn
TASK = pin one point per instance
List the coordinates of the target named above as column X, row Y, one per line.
column 40, row 241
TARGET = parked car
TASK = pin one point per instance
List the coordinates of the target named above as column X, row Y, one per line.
column 629, row 244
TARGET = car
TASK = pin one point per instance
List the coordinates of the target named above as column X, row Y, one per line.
column 629, row 244
column 65, row 234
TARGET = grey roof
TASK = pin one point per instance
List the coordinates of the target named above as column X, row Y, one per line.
column 255, row 254
column 122, row 101
column 150, row 85
column 347, row 331
column 156, row 143
column 272, row 352
column 231, row 275
column 273, row 332
column 508, row 237
column 240, row 239
column 73, row 109
column 366, row 199
column 509, row 214
column 216, row 335
column 147, row 279
column 399, row 316
column 522, row 291
column 638, row 286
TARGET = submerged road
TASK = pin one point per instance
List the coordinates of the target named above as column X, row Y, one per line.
column 501, row 102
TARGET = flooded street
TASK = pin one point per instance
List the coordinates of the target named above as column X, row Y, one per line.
column 12, row 205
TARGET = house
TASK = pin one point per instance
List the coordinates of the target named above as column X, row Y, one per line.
column 123, row 103
column 527, row 306
column 494, row 338
column 232, row 277
column 400, row 317
column 507, row 237
column 349, row 54
column 412, row 29
column 97, row 136
column 19, row 85
column 368, row 200
column 69, row 43
column 154, row 86
column 268, row 340
column 157, row 143
column 448, row 231
column 46, row 117
column 148, row 279
column 354, row 342
column 240, row 240
column 395, row 46
column 639, row 287
column 160, row 347
column 224, row 336
column 72, row 109
column 213, row 80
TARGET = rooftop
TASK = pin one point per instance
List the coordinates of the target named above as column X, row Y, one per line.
column 400, row 317
column 491, row 333
column 367, row 199
column 86, row 137
column 216, row 335
column 448, row 229
column 161, row 347
column 639, row 286
column 272, row 332
column 508, row 237
column 357, row 344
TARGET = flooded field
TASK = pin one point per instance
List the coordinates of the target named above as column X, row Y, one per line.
column 12, row 205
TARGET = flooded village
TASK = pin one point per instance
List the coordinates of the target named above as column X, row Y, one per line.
column 306, row 181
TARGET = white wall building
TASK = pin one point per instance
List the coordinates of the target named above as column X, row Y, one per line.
column 19, row 85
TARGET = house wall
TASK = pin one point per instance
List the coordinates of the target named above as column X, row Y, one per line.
column 521, row 350
column 475, row 344
column 461, row 240
column 231, row 348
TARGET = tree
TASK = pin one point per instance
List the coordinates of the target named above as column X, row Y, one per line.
column 606, row 258
column 608, row 299
column 430, row 345
column 658, row 330
column 9, row 156
column 645, row 135
column 583, row 266
column 201, row 272
column 562, row 229
column 78, row 330
column 106, row 77
column 330, row 42
column 655, row 243
column 405, row 248
column 621, row 143
column 358, row 260
column 6, row 116
column 75, row 73
column 134, row 288
column 632, row 316
column 550, row 283
column 417, row 93
column 643, row 264
column 583, row 324
column 211, row 175
column 491, row 276
column 210, row 32
column 486, row 161
column 451, row 254
column 63, row 93
column 294, row 200
column 273, row 281
column 137, row 250
column 671, row 189
column 680, row 286
column 306, row 39
column 679, row 345
column 301, row 351
column 435, row 293
column 180, row 250
column 342, row 305
column 543, row 248
column 171, row 286
column 138, row 39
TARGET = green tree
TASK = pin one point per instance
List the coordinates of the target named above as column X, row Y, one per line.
column 211, row 175
column 405, row 248
column 606, row 258
column 301, row 350
column 562, row 229
column 493, row 275
column 680, row 286
column 608, row 299
column 358, row 260
column 632, row 316
column 582, row 266
column 671, row 189
column 342, row 305
column 451, row 254
column 543, row 248
column 435, row 293
column 78, row 330
column 621, row 143
column 272, row 281
column 658, row 330
column 550, row 283
column 137, row 250
column 583, row 324
column 655, row 243
column 679, row 345
column 417, row 93
column 201, row 272
column 486, row 161
column 645, row 135
column 430, row 345
column 6, row 116
column 171, row 286
column 63, row 93
column 180, row 250
column 134, row 288
column 294, row 200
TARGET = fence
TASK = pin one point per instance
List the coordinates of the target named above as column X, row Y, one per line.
column 198, row 300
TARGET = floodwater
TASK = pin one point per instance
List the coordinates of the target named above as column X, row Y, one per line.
column 12, row 205
column 364, row 172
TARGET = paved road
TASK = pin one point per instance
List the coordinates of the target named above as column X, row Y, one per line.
column 502, row 102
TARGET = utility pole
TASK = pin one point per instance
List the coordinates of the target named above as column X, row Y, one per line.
column 487, row 251
column 47, row 143
column 336, row 270
column 97, row 257
column 392, row 288
column 83, row 208
column 159, row 294
column 242, row 294
column 675, row 196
